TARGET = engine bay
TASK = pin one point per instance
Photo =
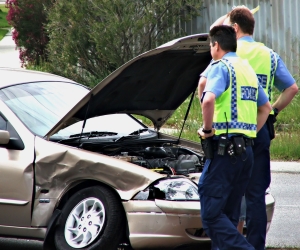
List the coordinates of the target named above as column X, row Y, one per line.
column 164, row 158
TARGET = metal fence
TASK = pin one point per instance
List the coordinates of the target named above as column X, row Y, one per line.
column 277, row 25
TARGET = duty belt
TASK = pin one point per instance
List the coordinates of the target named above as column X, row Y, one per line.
column 234, row 146
column 248, row 142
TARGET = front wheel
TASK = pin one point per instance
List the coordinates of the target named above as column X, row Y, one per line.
column 92, row 218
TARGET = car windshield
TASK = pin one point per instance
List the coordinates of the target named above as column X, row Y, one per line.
column 41, row 105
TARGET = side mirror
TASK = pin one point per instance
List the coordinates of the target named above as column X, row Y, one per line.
column 10, row 142
column 4, row 137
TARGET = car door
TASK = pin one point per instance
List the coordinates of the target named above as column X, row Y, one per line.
column 16, row 172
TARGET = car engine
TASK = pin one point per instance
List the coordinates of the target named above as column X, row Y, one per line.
column 165, row 160
column 160, row 155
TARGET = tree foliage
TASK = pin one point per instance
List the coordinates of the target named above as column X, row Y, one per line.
column 28, row 18
column 91, row 38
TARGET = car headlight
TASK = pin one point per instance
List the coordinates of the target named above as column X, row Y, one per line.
column 170, row 189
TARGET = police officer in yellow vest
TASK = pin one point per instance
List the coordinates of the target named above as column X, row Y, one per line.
column 234, row 108
column 270, row 71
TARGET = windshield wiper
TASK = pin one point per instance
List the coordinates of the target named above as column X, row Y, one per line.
column 134, row 135
column 139, row 131
column 127, row 137
column 93, row 134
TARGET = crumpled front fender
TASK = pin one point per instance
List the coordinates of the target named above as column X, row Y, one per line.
column 58, row 167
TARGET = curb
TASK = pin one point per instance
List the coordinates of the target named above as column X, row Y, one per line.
column 285, row 167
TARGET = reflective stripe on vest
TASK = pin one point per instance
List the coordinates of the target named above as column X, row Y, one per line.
column 272, row 73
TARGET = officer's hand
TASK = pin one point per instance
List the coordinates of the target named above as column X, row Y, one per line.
column 253, row 11
column 240, row 6
column 205, row 135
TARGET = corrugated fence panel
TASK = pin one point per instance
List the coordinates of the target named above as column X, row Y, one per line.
column 277, row 25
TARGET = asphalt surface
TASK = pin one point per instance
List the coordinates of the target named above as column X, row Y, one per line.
column 9, row 55
column 285, row 230
column 277, row 237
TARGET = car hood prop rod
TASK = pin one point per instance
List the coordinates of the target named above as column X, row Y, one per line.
column 85, row 118
column 186, row 114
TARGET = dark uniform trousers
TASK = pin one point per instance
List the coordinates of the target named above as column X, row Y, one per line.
column 221, row 187
column 256, row 217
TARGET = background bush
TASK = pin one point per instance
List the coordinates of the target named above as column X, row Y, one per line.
column 98, row 36
column 28, row 17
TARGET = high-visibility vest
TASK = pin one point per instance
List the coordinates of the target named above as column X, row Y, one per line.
column 236, row 108
column 263, row 60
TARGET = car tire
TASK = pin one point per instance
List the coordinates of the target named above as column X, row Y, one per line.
column 93, row 218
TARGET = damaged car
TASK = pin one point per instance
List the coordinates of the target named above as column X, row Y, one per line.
column 80, row 171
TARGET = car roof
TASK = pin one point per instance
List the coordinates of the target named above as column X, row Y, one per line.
column 14, row 76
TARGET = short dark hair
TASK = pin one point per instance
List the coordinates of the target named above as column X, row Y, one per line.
column 244, row 18
column 225, row 36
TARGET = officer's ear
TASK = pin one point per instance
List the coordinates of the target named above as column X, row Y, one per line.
column 236, row 27
column 217, row 46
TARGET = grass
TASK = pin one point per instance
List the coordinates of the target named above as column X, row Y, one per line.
column 2, row 33
column 285, row 146
column 3, row 14
column 3, row 22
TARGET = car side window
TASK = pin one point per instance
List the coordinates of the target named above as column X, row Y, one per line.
column 15, row 140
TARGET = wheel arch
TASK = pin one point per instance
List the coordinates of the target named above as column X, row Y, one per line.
column 75, row 187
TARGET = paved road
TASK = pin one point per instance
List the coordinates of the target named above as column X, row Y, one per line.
column 285, row 230
column 9, row 56
column 16, row 244
column 9, row 244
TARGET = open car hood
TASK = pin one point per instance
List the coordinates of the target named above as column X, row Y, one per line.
column 153, row 84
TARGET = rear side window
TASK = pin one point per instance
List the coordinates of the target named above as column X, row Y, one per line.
column 3, row 123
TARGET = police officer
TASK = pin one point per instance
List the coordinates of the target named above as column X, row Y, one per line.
column 270, row 70
column 234, row 108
